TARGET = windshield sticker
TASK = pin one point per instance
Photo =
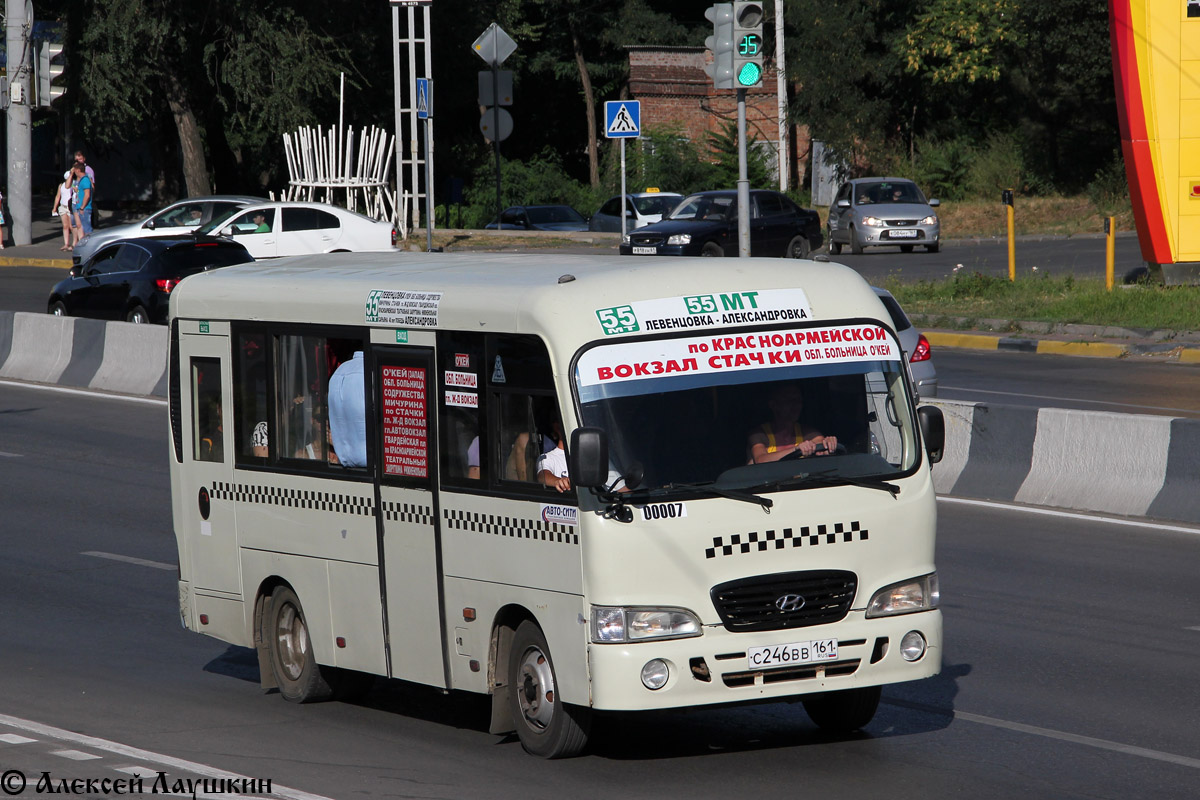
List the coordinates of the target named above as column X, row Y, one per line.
column 703, row 355
column 410, row 309
column 563, row 515
column 405, row 422
column 664, row 511
column 498, row 372
column 706, row 311
column 462, row 360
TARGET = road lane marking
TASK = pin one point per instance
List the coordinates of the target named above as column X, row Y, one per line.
column 12, row 738
column 1050, row 733
column 1068, row 399
column 75, row 755
column 9, row 455
column 85, row 392
column 170, row 762
column 1049, row 512
column 141, row 562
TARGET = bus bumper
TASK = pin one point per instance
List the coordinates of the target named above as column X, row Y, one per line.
column 713, row 669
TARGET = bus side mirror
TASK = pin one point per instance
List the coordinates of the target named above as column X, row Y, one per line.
column 933, row 431
column 588, row 459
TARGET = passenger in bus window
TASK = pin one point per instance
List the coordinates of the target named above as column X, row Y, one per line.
column 348, row 412
column 552, row 465
column 785, row 435
column 258, row 440
column 473, row 459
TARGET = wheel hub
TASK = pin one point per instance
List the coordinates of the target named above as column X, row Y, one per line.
column 536, row 689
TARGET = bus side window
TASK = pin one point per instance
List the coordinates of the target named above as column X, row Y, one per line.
column 252, row 425
column 464, row 451
column 208, row 442
column 526, row 414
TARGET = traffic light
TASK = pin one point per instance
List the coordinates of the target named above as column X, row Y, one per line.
column 721, row 45
column 748, row 44
column 50, row 68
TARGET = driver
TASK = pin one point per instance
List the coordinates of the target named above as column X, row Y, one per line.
column 784, row 435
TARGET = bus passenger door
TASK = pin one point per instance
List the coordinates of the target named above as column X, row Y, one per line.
column 206, row 395
column 404, row 383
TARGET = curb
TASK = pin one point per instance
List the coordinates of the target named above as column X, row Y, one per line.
column 979, row 341
column 1066, row 458
column 56, row 263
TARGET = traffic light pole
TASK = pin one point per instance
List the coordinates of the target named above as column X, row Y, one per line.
column 743, row 184
column 16, row 31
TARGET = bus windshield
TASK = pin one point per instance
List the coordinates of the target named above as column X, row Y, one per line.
column 770, row 410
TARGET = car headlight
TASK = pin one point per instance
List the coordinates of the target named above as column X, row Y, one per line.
column 625, row 239
column 613, row 624
column 874, row 222
column 906, row 597
column 680, row 238
column 930, row 220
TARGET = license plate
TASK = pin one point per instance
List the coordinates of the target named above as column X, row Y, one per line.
column 903, row 234
column 644, row 251
column 785, row 655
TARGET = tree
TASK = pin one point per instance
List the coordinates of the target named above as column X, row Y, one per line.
column 954, row 41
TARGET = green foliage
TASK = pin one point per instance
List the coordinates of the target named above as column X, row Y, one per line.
column 996, row 166
column 724, row 147
column 1108, row 189
column 942, row 168
column 955, row 41
column 537, row 181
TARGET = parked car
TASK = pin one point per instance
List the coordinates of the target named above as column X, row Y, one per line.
column 915, row 345
column 705, row 224
column 869, row 212
column 641, row 209
column 540, row 218
column 181, row 217
column 132, row 279
column 269, row 230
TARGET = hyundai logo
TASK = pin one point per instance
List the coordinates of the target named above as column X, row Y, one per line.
column 789, row 603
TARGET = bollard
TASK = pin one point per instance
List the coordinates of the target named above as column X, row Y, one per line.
column 1110, row 247
column 1006, row 197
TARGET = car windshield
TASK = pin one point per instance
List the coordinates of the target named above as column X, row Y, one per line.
column 542, row 215
column 695, row 412
column 219, row 221
column 888, row 192
column 700, row 206
column 659, row 204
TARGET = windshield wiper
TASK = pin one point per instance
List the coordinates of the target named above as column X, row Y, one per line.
column 732, row 494
column 828, row 477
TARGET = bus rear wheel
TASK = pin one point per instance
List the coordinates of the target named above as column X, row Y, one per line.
column 296, row 671
column 845, row 711
column 546, row 726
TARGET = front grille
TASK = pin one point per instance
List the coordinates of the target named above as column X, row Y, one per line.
column 754, row 604
column 901, row 223
column 647, row 238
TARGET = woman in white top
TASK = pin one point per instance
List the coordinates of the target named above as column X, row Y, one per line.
column 62, row 207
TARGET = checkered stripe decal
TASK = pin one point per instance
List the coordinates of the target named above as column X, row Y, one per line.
column 408, row 512
column 753, row 541
column 512, row 527
column 293, row 498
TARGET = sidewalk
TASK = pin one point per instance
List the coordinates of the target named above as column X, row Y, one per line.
column 46, row 232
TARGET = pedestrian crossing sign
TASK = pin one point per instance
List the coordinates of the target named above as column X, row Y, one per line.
column 623, row 119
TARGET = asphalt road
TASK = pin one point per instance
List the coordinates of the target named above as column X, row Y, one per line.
column 1070, row 652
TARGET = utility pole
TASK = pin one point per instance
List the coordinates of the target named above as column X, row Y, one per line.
column 18, row 21
column 785, row 151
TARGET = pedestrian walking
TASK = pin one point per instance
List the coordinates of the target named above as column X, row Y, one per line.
column 62, row 209
column 83, row 197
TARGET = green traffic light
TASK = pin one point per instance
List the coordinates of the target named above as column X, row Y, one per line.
column 749, row 74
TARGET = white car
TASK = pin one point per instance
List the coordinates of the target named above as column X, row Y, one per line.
column 183, row 216
column 640, row 210
column 915, row 346
column 270, row 230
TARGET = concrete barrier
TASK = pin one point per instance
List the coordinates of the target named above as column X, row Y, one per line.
column 71, row 351
column 1128, row 464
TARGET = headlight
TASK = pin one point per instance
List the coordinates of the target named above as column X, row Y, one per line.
column 930, row 220
column 612, row 624
column 680, row 238
column 907, row 597
column 625, row 239
column 874, row 222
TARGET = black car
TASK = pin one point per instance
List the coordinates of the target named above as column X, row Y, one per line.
column 705, row 224
column 132, row 279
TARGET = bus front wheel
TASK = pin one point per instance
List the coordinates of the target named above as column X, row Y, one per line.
column 296, row 671
column 845, row 711
column 546, row 726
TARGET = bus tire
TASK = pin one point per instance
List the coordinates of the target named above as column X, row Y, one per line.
column 845, row 711
column 547, row 727
column 292, row 659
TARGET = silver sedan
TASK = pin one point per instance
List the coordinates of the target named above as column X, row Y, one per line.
column 870, row 212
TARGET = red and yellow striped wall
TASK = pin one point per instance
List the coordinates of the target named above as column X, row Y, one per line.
column 1156, row 67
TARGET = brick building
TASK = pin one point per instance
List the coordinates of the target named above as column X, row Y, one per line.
column 675, row 90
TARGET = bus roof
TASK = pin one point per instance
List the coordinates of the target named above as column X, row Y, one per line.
column 554, row 295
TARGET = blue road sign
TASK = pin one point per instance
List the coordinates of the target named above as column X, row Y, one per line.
column 424, row 98
column 622, row 119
